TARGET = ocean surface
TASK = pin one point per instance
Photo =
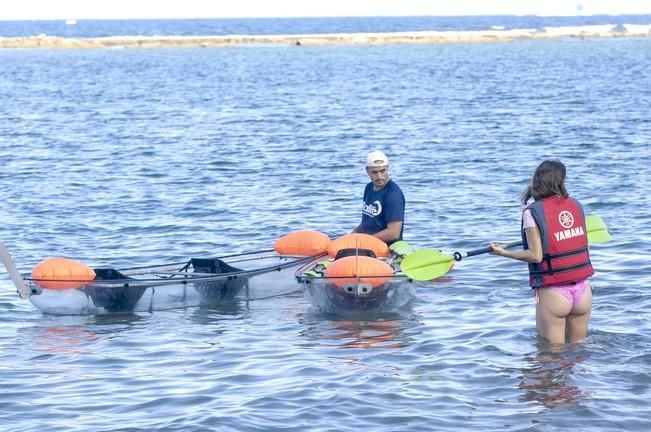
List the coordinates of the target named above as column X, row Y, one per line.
column 135, row 157
column 279, row 26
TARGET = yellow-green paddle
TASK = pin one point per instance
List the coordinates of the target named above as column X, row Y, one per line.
column 428, row 264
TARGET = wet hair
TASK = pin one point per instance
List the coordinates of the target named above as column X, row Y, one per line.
column 548, row 180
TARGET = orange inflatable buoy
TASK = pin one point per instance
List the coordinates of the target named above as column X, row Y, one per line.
column 359, row 241
column 302, row 243
column 72, row 274
column 360, row 270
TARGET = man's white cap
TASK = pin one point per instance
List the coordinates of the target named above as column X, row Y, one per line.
column 377, row 159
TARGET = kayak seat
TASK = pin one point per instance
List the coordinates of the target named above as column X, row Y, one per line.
column 218, row 290
column 116, row 299
column 109, row 274
column 354, row 251
column 212, row 265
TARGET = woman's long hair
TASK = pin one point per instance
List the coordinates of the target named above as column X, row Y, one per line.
column 548, row 180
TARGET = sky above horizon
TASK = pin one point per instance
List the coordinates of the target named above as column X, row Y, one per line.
column 126, row 9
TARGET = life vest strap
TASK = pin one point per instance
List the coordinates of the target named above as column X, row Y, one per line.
column 566, row 254
column 552, row 271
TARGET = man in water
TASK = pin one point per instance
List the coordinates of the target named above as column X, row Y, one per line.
column 384, row 204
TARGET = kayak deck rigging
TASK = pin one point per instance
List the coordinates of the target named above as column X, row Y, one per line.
column 194, row 282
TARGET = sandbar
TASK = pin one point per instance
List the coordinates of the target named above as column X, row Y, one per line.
column 416, row 37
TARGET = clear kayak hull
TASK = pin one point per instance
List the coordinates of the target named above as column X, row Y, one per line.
column 144, row 289
column 361, row 294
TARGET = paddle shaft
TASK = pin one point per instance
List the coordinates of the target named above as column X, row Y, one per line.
column 458, row 256
column 594, row 225
column 17, row 279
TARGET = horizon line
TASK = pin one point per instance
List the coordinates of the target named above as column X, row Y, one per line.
column 72, row 18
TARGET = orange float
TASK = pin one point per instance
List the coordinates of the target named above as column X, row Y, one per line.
column 303, row 243
column 359, row 241
column 62, row 274
column 359, row 270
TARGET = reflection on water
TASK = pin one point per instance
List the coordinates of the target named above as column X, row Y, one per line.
column 113, row 319
column 359, row 331
column 73, row 335
column 64, row 340
column 548, row 379
column 213, row 313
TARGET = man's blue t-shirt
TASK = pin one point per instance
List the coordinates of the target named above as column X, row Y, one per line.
column 381, row 207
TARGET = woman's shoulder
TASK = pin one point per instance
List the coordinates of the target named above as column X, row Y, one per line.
column 525, row 206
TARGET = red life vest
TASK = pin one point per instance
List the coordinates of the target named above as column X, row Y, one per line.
column 564, row 237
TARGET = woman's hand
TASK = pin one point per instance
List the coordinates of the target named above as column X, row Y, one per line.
column 498, row 249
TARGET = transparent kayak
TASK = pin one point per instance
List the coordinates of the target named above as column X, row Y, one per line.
column 198, row 281
column 352, row 293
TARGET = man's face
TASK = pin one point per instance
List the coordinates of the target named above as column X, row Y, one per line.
column 378, row 175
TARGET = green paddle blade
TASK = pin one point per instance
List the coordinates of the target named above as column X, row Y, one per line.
column 401, row 248
column 597, row 230
column 426, row 264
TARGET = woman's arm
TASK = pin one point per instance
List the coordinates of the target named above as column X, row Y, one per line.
column 531, row 255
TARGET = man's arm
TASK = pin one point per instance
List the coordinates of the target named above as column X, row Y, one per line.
column 391, row 233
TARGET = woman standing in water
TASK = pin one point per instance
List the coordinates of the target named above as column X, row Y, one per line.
column 555, row 244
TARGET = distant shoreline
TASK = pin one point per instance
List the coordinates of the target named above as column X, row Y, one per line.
column 416, row 37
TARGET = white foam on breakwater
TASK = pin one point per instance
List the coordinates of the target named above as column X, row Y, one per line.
column 411, row 37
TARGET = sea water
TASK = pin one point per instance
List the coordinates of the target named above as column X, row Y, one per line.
column 135, row 157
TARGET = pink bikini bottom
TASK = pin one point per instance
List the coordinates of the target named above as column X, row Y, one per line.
column 572, row 292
